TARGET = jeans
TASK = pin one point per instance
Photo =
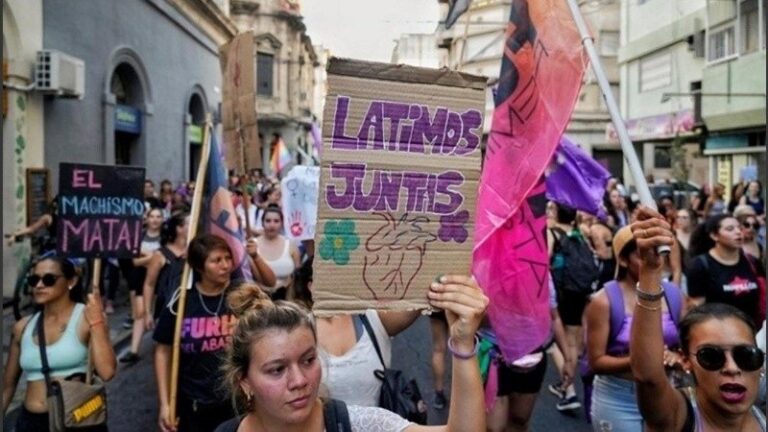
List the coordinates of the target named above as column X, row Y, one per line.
column 614, row 405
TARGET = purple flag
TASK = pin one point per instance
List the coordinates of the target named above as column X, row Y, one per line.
column 577, row 180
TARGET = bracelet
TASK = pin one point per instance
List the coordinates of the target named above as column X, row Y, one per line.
column 651, row 297
column 95, row 323
column 649, row 308
column 461, row 355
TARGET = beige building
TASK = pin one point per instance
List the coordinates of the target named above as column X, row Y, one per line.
column 416, row 49
column 475, row 45
column 285, row 73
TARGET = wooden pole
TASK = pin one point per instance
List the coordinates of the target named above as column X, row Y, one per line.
column 194, row 219
column 95, row 283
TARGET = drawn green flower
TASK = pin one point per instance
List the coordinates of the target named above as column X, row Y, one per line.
column 339, row 240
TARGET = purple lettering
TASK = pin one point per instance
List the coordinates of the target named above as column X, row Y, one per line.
column 95, row 237
column 81, row 229
column 414, row 112
column 395, row 112
column 444, row 183
column 374, row 118
column 390, row 190
column 110, row 232
column 212, row 327
column 365, row 202
column 451, row 137
column 431, row 130
column 351, row 173
column 472, row 120
column 125, row 236
column 339, row 140
column 412, row 182
column 197, row 328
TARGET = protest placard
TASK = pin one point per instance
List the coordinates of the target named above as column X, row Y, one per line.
column 299, row 201
column 239, row 118
column 100, row 210
column 398, row 183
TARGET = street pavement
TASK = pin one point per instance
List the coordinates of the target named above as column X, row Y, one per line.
column 133, row 400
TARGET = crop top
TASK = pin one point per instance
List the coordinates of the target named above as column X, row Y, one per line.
column 66, row 356
column 620, row 345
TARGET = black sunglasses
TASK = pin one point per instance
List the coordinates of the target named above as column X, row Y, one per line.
column 750, row 225
column 49, row 279
column 748, row 358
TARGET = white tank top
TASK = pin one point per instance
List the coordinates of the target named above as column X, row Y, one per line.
column 349, row 377
column 283, row 266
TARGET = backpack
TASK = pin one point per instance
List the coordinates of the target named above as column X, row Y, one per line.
column 573, row 263
column 398, row 394
column 335, row 416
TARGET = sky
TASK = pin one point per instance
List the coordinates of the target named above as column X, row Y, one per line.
column 366, row 29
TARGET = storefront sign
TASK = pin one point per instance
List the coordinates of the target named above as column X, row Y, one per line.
column 655, row 127
column 127, row 119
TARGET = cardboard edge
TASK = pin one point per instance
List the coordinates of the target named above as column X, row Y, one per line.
column 405, row 73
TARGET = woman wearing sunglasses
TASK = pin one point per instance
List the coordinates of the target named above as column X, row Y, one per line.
column 749, row 228
column 70, row 326
column 718, row 345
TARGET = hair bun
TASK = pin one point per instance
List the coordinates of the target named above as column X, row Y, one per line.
column 247, row 296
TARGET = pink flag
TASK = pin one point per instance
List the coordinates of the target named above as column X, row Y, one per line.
column 540, row 78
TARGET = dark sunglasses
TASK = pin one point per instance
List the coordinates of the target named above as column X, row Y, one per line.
column 748, row 358
column 750, row 225
column 48, row 279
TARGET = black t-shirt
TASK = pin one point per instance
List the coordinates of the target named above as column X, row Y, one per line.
column 204, row 338
column 735, row 285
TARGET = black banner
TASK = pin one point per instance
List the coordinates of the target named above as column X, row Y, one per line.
column 100, row 210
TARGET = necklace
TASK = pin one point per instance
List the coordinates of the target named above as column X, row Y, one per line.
column 202, row 302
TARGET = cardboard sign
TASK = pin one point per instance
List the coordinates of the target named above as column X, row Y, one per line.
column 101, row 210
column 239, row 119
column 398, row 183
column 299, row 201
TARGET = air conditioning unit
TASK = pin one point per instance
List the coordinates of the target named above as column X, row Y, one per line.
column 59, row 74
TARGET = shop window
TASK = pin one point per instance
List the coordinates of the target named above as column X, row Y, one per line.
column 264, row 74
column 722, row 44
column 662, row 159
column 749, row 25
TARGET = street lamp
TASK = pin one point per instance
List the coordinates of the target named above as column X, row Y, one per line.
column 665, row 97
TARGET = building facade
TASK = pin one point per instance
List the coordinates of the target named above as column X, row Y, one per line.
column 416, row 49
column 733, row 93
column 693, row 87
column 285, row 63
column 475, row 43
column 23, row 125
column 150, row 81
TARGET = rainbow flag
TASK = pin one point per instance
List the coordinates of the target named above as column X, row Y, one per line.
column 540, row 78
column 281, row 157
column 219, row 211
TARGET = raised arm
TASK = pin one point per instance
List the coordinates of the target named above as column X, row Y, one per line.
column 464, row 306
column 262, row 272
column 662, row 407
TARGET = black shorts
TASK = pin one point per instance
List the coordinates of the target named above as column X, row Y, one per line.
column 570, row 306
column 518, row 380
column 134, row 276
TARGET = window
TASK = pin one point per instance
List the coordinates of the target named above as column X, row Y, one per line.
column 661, row 157
column 749, row 25
column 722, row 44
column 655, row 72
column 609, row 43
column 264, row 74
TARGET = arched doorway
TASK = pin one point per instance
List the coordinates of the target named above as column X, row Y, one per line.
column 126, row 88
column 196, row 110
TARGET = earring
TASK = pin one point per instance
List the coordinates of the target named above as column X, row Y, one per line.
column 70, row 287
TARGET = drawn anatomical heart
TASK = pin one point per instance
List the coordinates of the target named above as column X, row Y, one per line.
column 394, row 255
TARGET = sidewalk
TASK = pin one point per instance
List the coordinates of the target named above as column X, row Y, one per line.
column 119, row 336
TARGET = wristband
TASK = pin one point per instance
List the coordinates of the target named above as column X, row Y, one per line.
column 95, row 323
column 460, row 355
column 649, row 297
column 649, row 308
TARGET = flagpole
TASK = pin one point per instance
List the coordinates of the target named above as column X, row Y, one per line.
column 194, row 218
column 626, row 143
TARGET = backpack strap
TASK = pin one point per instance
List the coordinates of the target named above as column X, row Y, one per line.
column 336, row 416
column 372, row 335
column 674, row 299
column 616, row 305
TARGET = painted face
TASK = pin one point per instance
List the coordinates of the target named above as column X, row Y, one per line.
column 729, row 390
column 273, row 225
column 154, row 219
column 729, row 234
column 44, row 272
column 218, row 267
column 284, row 375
